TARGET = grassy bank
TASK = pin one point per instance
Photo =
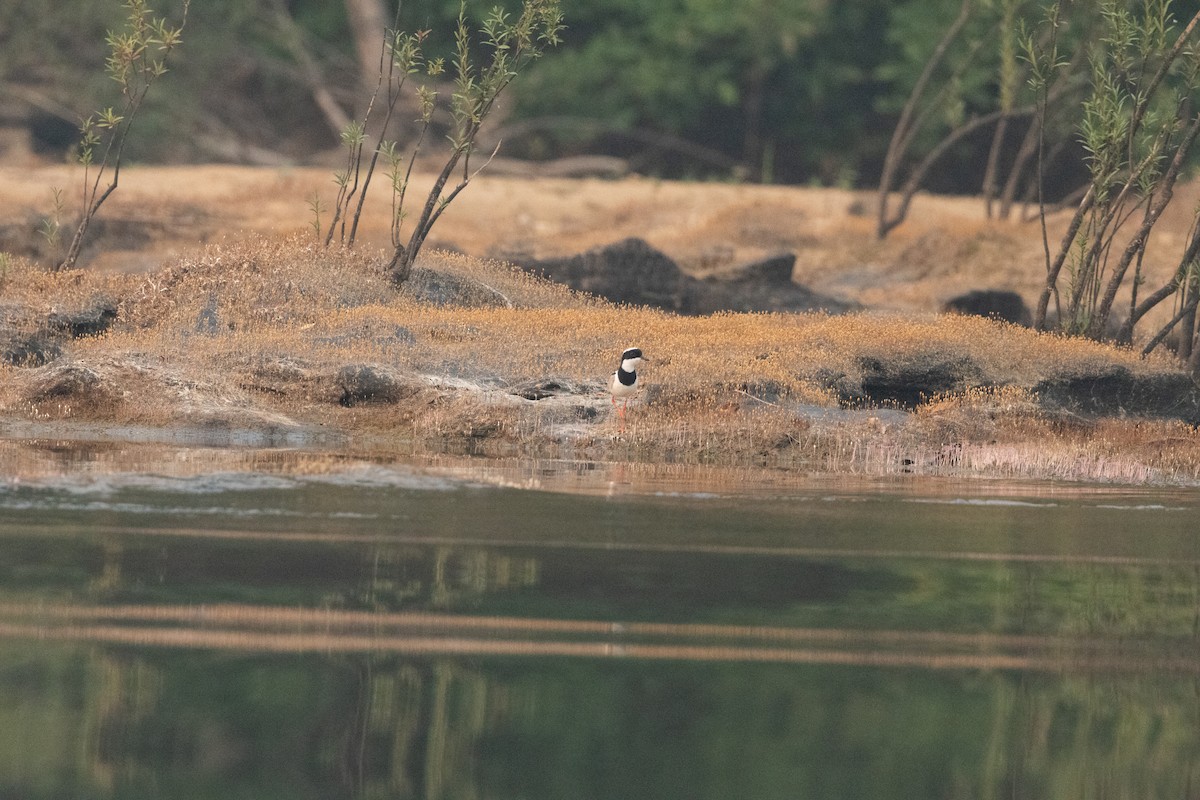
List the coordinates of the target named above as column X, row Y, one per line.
column 475, row 355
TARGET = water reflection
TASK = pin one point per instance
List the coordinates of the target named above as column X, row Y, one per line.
column 258, row 628
column 162, row 723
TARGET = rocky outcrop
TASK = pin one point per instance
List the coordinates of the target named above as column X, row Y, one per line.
column 1116, row 391
column 993, row 303
column 763, row 285
column 91, row 321
column 903, row 384
column 29, row 341
column 29, row 350
column 631, row 271
column 371, row 383
column 71, row 384
column 1112, row 391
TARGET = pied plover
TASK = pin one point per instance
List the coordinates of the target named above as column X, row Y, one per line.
column 625, row 380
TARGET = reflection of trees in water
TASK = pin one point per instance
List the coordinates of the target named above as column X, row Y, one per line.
column 405, row 726
column 379, row 577
column 196, row 724
column 1043, row 595
column 1156, row 600
column 1089, row 599
column 370, row 725
column 411, row 729
column 125, row 693
column 382, row 727
column 1092, row 736
column 443, row 577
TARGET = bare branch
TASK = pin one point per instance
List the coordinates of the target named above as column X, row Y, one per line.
column 902, row 134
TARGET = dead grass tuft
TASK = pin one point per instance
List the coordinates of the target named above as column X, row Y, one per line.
column 35, row 291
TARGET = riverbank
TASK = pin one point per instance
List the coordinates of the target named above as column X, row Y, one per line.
column 262, row 337
column 282, row 341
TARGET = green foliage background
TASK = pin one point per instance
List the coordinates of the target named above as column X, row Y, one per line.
column 802, row 91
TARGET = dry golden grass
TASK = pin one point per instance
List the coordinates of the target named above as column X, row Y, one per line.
column 1002, row 432
column 253, row 330
column 255, row 334
column 945, row 248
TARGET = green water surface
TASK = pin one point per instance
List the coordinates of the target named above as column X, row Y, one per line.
column 809, row 644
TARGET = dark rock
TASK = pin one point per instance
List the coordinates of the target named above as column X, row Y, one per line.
column 906, row 384
column 52, row 133
column 1112, row 391
column 629, row 271
column 367, row 383
column 33, row 350
column 29, row 341
column 776, row 269
column 70, row 383
column 1117, row 391
column 550, row 387
column 91, row 321
column 847, row 390
column 994, row 303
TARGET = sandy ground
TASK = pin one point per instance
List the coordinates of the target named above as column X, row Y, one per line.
column 947, row 246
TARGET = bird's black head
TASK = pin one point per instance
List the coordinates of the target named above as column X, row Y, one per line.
column 633, row 352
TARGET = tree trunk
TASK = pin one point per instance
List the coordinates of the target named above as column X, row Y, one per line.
column 905, row 128
column 1166, row 190
column 293, row 40
column 993, row 167
column 1025, row 153
column 1194, row 359
column 752, row 114
column 368, row 23
column 1187, row 337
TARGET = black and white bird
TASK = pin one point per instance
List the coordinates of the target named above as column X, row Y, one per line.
column 625, row 380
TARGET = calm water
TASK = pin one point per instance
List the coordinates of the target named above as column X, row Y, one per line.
column 299, row 627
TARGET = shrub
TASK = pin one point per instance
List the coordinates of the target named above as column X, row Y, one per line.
column 137, row 59
column 1138, row 126
column 508, row 45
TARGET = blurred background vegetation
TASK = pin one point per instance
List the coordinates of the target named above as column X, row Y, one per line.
column 788, row 91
